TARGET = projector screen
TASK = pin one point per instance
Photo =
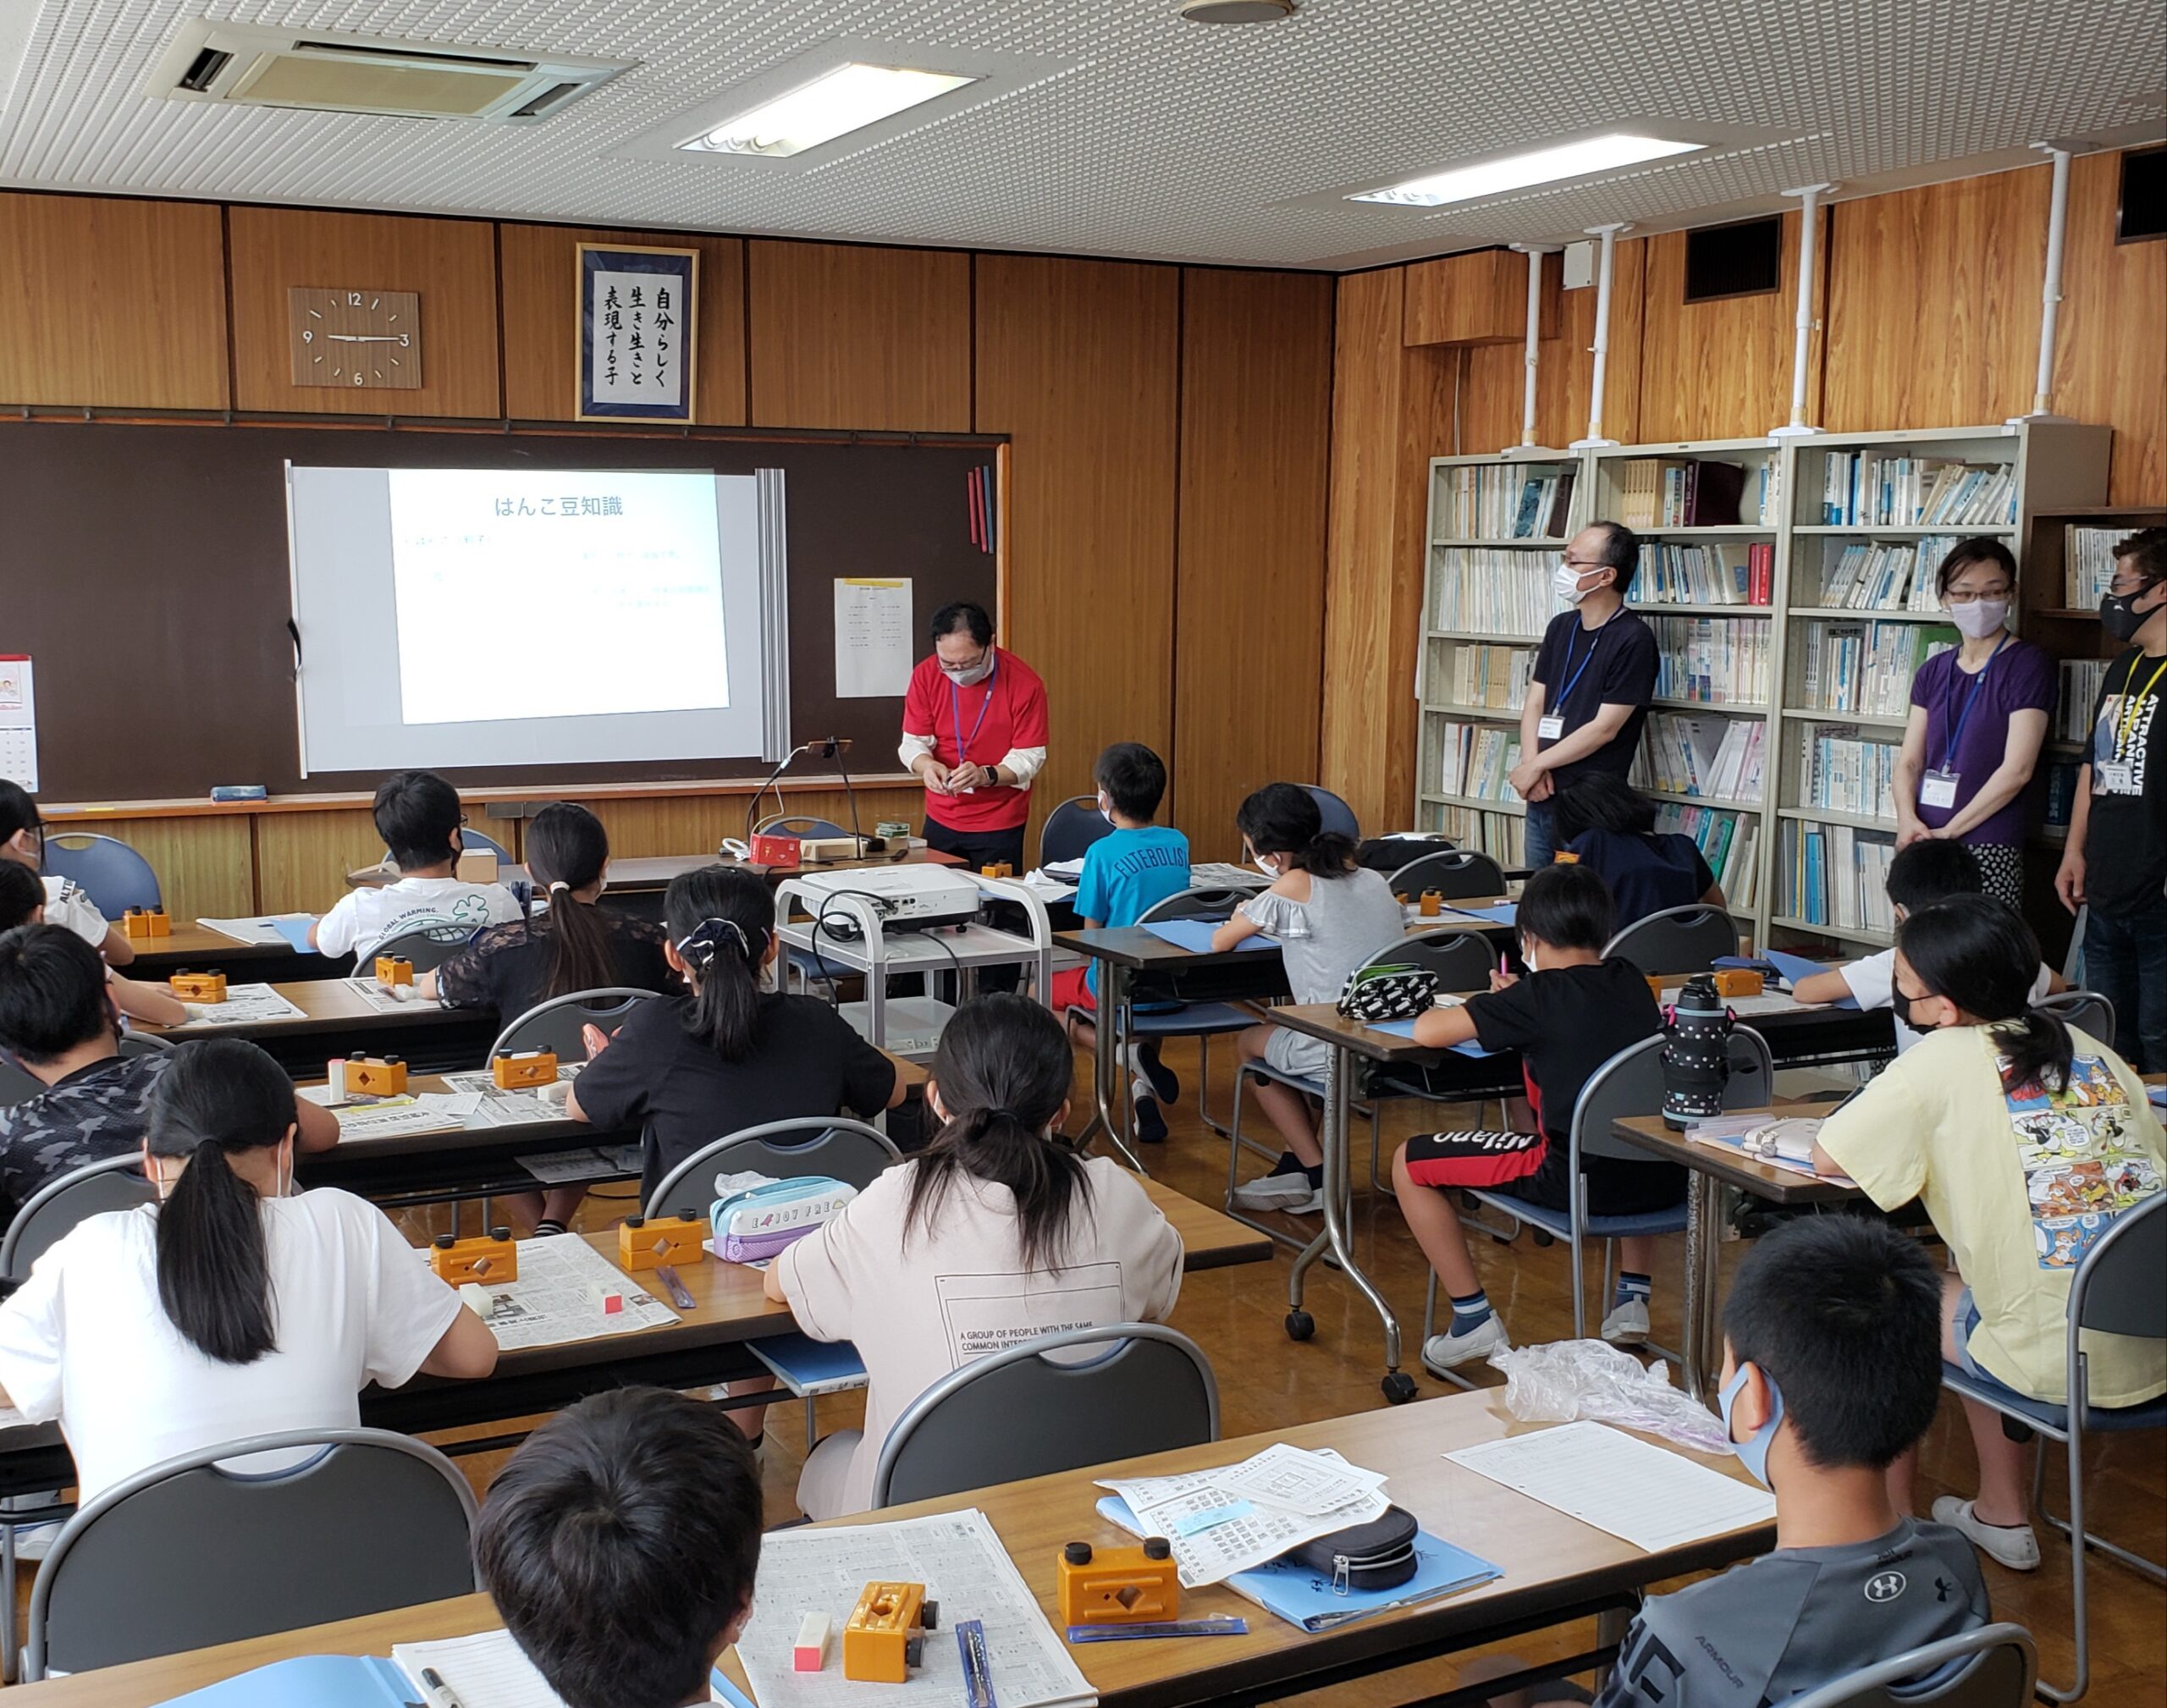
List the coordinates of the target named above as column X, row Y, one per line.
column 496, row 617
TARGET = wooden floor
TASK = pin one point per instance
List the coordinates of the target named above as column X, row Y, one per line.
column 1265, row 1381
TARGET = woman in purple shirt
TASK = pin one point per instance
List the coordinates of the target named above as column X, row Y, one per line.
column 1978, row 716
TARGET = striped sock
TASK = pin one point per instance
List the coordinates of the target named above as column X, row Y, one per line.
column 1470, row 1313
column 1631, row 1285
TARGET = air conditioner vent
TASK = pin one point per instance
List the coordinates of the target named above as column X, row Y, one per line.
column 204, row 68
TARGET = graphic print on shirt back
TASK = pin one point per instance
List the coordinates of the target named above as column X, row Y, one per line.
column 2081, row 1173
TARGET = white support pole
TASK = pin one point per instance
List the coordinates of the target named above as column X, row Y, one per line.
column 2050, row 295
column 1809, row 234
column 1600, row 348
column 1527, row 448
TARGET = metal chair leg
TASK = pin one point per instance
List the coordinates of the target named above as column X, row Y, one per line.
column 1203, row 1086
column 2136, row 1562
column 812, row 1431
column 1377, row 1183
column 1234, row 1143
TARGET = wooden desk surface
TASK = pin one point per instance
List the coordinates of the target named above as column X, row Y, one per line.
column 327, row 1003
column 1552, row 1565
column 1139, row 949
column 1733, row 1167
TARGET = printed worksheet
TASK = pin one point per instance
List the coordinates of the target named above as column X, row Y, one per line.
column 959, row 1559
column 599, row 1162
column 394, row 998
column 1215, row 1530
column 497, row 1108
column 1294, row 1479
column 552, row 1303
column 246, row 1004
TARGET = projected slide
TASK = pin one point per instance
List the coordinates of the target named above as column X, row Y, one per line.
column 602, row 594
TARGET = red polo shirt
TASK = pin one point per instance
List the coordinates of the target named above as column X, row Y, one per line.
column 981, row 723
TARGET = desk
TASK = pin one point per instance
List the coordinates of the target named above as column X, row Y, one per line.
column 336, row 1020
column 1712, row 1168
column 198, row 948
column 1555, row 1569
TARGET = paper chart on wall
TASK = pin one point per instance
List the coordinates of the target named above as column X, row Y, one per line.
column 872, row 638
column 18, row 722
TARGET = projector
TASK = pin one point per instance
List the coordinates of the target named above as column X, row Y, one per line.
column 905, row 898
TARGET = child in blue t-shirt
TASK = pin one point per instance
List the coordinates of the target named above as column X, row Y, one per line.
column 1127, row 871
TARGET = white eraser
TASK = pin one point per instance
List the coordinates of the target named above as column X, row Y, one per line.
column 809, row 1653
column 475, row 1299
column 555, row 1092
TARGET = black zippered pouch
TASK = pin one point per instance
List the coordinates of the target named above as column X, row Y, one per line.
column 1379, row 1555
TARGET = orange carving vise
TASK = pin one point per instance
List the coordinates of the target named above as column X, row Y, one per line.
column 394, row 970
column 528, row 1067
column 490, row 1258
column 1118, row 1586
column 648, row 1241
column 199, row 987
column 372, row 1076
column 886, row 1637
column 145, row 922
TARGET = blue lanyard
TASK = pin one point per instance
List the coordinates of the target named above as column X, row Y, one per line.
column 1573, row 681
column 1956, row 736
column 955, row 703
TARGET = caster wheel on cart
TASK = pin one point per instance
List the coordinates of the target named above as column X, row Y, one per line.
column 1300, row 1325
column 1399, row 1388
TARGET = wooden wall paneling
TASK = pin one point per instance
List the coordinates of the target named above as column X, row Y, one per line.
column 1720, row 369
column 2110, row 361
column 204, row 865
column 450, row 262
column 1477, row 298
column 853, row 336
column 541, row 303
column 1489, row 416
column 1255, row 430
column 1077, row 361
column 105, row 302
column 1933, row 303
column 302, row 859
column 667, row 825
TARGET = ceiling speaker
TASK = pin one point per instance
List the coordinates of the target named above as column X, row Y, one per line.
column 1236, row 11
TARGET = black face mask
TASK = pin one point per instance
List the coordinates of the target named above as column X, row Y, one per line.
column 2118, row 612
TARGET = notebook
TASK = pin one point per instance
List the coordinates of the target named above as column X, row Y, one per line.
column 487, row 1670
column 1504, row 913
column 1405, row 1028
column 1195, row 935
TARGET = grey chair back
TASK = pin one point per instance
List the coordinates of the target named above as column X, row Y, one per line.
column 371, row 1522
column 783, row 824
column 1678, row 939
column 1057, row 1404
column 1461, row 875
column 1070, row 829
column 1988, row 1666
column 560, row 1023
column 50, row 1212
column 105, row 868
column 18, row 1084
column 142, row 1044
column 1202, row 903
column 2121, row 1288
column 1338, row 817
column 428, row 948
column 1630, row 1083
column 474, row 842
column 834, row 1145
column 1462, row 960
column 2088, row 1011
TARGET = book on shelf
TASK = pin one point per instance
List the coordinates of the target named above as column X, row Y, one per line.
column 1484, row 591
column 2061, row 792
column 1715, row 661
column 1879, row 575
column 1729, row 842
column 2088, row 565
column 1839, row 771
column 1502, row 836
column 1835, row 875
column 1504, row 501
column 1474, row 759
column 1698, row 575
column 1868, row 488
column 1865, row 669
column 2081, row 679
column 1484, row 675
column 1716, row 758
column 1680, row 493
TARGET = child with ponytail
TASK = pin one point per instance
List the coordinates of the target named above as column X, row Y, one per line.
column 2026, row 1140
column 1329, row 915
column 733, row 1052
column 232, row 1307
column 996, row 1210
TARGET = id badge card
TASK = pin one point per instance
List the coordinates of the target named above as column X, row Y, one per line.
column 2112, row 778
column 1552, row 728
column 1938, row 788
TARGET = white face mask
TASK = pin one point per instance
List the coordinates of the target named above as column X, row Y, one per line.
column 1527, row 954
column 1980, row 618
column 1106, row 810
column 1566, row 584
column 1265, row 866
column 973, row 675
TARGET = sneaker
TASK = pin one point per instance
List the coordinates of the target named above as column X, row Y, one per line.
column 1164, row 1086
column 1290, row 1192
column 1442, row 1352
column 2013, row 1545
column 1627, row 1324
column 1150, row 1121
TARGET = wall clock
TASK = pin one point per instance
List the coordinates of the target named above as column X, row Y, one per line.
column 365, row 339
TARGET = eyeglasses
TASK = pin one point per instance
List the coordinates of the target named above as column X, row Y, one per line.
column 1959, row 596
column 1584, row 564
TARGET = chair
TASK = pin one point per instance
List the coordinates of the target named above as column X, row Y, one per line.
column 1027, row 1412
column 48, row 1214
column 113, row 875
column 427, row 948
column 1630, row 1083
column 1070, row 829
column 1988, row 1666
column 782, row 825
column 1461, row 875
column 559, row 1024
column 2088, row 1011
column 142, row 1044
column 1679, row 939
column 474, row 842
column 1338, row 816
column 2120, row 1288
column 373, row 1521
column 833, row 1145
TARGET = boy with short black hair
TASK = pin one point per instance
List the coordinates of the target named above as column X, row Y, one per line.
column 619, row 1543
column 1130, row 869
column 24, row 900
column 418, row 815
column 1929, row 870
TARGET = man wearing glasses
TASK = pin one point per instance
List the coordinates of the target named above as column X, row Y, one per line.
column 1594, row 676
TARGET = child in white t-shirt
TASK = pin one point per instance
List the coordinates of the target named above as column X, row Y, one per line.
column 995, row 1211
column 22, row 843
column 418, row 815
column 1929, row 870
column 229, row 1308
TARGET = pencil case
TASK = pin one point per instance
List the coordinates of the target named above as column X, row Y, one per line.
column 1379, row 1555
column 753, row 1222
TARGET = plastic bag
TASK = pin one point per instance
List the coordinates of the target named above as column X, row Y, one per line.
column 1564, row 1380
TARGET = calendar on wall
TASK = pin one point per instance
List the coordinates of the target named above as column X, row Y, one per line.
column 18, row 722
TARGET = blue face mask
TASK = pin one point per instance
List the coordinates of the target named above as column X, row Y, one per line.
column 1753, row 1452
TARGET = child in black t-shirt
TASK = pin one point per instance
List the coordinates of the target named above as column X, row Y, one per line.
column 1568, row 1015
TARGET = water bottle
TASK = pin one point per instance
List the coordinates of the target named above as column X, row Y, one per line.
column 1696, row 1055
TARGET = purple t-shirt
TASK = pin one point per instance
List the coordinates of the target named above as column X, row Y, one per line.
column 2020, row 676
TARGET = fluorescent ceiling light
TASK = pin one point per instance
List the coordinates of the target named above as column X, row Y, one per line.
column 1591, row 154
column 848, row 98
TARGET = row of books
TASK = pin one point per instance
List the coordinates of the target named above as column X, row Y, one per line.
column 1716, row 661
column 1708, row 575
column 1717, row 758
column 1835, row 875
column 1877, row 576
column 2081, row 679
column 1509, row 501
column 1730, row 842
column 1493, row 592
column 1866, row 488
column 1679, row 492
column 2088, row 565
column 1502, row 836
column 1473, row 760
column 1839, row 772
column 1865, row 669
column 1491, row 675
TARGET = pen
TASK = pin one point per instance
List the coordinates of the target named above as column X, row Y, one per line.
column 440, row 1692
column 978, row 1664
column 667, row 1275
column 1222, row 1625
